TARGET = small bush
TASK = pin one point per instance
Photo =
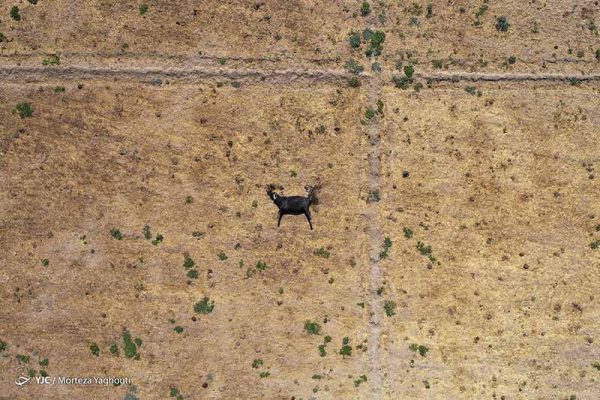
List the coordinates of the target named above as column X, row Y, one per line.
column 354, row 40
column 129, row 346
column 95, row 349
column 365, row 9
column 45, row 262
column 222, row 256
column 116, row 234
column 188, row 263
column 52, row 59
column 322, row 252
column 143, row 8
column 512, row 60
column 370, row 113
column 472, row 90
column 402, row 82
column 408, row 233
column 389, row 307
column 354, row 67
column 418, row 348
column 502, row 24
column 312, row 328
column 409, row 71
column 257, row 363
column 24, row 110
column 14, row 13
column 205, row 306
column 354, row 82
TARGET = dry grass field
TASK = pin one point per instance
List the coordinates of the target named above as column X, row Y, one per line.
column 456, row 244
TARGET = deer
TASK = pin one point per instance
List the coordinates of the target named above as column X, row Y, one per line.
column 293, row 205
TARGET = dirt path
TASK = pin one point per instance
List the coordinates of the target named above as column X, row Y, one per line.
column 375, row 238
column 156, row 68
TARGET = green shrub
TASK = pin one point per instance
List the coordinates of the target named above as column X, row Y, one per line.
column 143, row 8
column 261, row 265
column 353, row 67
column 114, row 349
column 205, row 306
column 3, row 38
column 365, row 9
column 3, row 346
column 402, row 82
column 321, row 252
column 14, row 13
column 512, row 60
column 116, row 234
column 408, row 233
column 354, row 40
column 354, row 82
column 409, row 71
column 24, row 110
column 147, row 233
column 257, row 363
column 370, row 113
column 389, row 307
column 178, row 329
column 418, row 348
column 312, row 328
column 472, row 90
column 192, row 274
column 95, row 349
column 188, row 262
column 45, row 262
column 222, row 256
column 502, row 24
column 129, row 346
column 52, row 59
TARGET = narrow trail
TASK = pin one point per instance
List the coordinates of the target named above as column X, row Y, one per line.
column 375, row 238
column 155, row 75
column 155, row 68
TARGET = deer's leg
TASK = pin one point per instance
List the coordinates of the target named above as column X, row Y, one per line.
column 308, row 217
column 279, row 215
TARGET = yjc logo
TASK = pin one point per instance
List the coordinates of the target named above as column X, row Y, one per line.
column 42, row 380
column 22, row 380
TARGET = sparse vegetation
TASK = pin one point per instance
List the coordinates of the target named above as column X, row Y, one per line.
column 14, row 13
column 95, row 349
column 129, row 346
column 24, row 110
column 353, row 67
column 205, row 306
column 361, row 379
column 322, row 252
column 52, row 59
column 421, row 349
column 346, row 349
column 408, row 233
column 354, row 40
column 387, row 244
column 502, row 24
column 222, row 256
column 45, row 262
column 389, row 307
column 312, row 328
column 143, row 8
column 116, row 234
column 365, row 8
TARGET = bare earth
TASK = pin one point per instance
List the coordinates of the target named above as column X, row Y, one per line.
column 456, row 249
